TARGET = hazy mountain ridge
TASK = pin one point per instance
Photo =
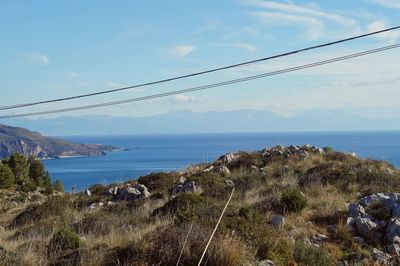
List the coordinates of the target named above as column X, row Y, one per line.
column 14, row 139
column 209, row 122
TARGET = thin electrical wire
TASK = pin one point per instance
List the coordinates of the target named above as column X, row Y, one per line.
column 15, row 106
column 209, row 86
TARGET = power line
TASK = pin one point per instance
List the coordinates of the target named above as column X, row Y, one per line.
column 201, row 72
column 208, row 86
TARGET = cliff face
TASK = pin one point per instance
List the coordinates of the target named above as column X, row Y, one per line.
column 14, row 139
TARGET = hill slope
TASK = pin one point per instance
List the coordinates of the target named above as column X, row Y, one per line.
column 14, row 139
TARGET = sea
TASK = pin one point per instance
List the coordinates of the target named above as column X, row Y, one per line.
column 164, row 153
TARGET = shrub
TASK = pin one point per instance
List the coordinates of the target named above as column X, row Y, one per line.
column 64, row 239
column 55, row 207
column 185, row 206
column 58, row 186
column 292, row 200
column 6, row 176
column 158, row 181
column 20, row 167
column 310, row 255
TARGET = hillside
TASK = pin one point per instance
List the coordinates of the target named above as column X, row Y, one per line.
column 291, row 206
column 20, row 140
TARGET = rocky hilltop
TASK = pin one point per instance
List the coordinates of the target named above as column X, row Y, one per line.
column 295, row 205
column 20, row 140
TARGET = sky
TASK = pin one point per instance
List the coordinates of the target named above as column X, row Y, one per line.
column 52, row 49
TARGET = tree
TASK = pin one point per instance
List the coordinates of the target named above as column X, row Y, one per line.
column 20, row 167
column 58, row 186
column 38, row 173
column 6, row 176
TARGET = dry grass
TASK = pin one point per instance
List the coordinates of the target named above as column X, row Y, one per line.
column 145, row 233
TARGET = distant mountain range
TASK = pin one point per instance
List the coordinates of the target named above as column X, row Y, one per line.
column 14, row 139
column 208, row 122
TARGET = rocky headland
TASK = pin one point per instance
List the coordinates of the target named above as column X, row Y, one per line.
column 28, row 143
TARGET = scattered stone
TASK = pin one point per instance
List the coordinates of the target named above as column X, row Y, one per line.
column 186, row 187
column 88, row 193
column 223, row 169
column 278, row 220
column 320, row 237
column 209, row 169
column 253, row 167
column 381, row 256
column 229, row 183
column 351, row 221
column 266, row 263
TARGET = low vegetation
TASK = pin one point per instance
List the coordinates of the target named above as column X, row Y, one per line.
column 305, row 189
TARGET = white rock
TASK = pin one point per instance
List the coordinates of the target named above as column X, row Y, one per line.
column 88, row 193
column 381, row 256
column 223, row 169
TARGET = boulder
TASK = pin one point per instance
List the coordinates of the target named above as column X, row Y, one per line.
column 143, row 190
column 136, row 192
column 356, row 210
column 186, row 187
column 278, row 220
column 381, row 256
column 393, row 231
column 128, row 193
column 365, row 226
column 229, row 157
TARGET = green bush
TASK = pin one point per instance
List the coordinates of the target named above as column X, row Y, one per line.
column 55, row 207
column 58, row 186
column 6, row 176
column 310, row 255
column 292, row 200
column 158, row 181
column 184, row 206
column 64, row 239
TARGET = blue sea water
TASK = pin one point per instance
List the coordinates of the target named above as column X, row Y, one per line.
column 171, row 152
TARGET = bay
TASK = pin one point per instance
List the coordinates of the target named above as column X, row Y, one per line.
column 160, row 153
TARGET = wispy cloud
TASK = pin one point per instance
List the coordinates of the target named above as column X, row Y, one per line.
column 38, row 58
column 391, row 36
column 182, row 50
column 387, row 3
column 310, row 10
column 314, row 27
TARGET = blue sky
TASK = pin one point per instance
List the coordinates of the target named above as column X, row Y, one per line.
column 55, row 49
